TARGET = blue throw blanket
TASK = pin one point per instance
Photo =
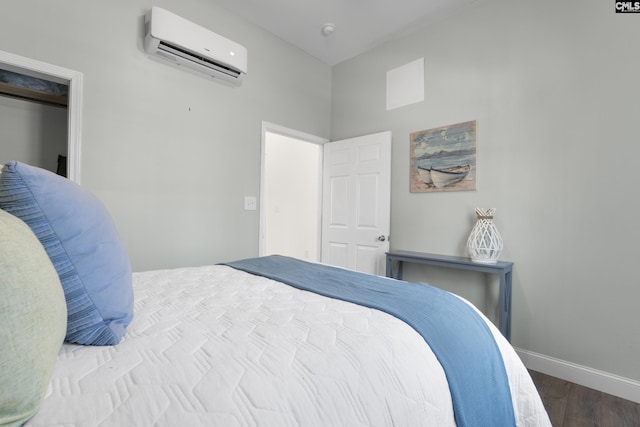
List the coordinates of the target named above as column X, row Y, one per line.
column 458, row 336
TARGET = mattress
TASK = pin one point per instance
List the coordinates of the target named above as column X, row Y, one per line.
column 214, row 346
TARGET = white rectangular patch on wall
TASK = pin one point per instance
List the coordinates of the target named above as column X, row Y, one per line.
column 405, row 84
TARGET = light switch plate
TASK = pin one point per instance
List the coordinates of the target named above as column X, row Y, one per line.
column 250, row 203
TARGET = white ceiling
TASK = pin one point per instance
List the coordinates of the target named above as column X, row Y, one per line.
column 360, row 25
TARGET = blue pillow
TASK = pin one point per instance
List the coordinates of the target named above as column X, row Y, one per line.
column 81, row 240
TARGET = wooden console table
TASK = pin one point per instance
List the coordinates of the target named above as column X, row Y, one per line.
column 502, row 268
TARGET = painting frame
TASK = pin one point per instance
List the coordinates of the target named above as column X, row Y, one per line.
column 444, row 158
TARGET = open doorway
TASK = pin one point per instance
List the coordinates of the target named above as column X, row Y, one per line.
column 33, row 121
column 290, row 193
column 73, row 80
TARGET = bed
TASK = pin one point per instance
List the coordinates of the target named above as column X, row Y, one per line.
column 218, row 346
column 288, row 345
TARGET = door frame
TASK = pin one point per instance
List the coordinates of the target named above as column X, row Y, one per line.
column 291, row 133
column 34, row 68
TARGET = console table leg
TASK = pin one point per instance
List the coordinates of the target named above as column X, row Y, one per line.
column 508, row 305
column 504, row 305
column 389, row 272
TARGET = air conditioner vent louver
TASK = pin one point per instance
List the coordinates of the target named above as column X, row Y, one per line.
column 190, row 45
column 205, row 62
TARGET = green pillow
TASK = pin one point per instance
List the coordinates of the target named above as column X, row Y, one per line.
column 33, row 321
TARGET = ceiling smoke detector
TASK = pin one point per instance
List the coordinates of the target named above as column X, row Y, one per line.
column 328, row 29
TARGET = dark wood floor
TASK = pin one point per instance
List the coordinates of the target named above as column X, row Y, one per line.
column 572, row 405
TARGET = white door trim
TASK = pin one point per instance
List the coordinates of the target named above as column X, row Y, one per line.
column 23, row 65
column 292, row 133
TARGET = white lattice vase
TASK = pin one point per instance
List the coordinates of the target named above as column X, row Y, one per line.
column 485, row 243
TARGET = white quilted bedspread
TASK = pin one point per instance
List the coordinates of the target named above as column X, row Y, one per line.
column 213, row 346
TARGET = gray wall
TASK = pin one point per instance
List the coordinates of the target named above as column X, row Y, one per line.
column 32, row 133
column 554, row 88
column 171, row 153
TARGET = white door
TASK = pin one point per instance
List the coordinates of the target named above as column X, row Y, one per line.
column 356, row 202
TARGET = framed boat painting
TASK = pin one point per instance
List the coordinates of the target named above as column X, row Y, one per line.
column 444, row 158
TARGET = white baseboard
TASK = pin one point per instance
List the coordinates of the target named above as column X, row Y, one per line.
column 603, row 381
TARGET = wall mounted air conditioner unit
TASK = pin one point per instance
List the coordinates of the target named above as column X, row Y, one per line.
column 190, row 45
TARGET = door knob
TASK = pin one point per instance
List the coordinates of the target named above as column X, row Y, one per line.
column 382, row 238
